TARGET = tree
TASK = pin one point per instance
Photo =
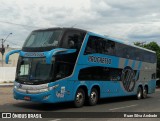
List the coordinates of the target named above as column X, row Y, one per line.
column 152, row 46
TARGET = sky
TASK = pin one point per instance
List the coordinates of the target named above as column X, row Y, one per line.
column 128, row 20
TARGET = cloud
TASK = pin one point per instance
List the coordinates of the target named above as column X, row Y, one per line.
column 130, row 20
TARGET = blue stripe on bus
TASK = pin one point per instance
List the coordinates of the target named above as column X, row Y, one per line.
column 133, row 64
column 126, row 63
column 138, row 70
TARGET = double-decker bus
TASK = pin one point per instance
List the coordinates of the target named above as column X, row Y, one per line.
column 69, row 64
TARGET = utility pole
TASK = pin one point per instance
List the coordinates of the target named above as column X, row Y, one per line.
column 2, row 50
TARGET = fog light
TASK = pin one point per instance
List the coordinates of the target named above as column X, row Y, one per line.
column 46, row 97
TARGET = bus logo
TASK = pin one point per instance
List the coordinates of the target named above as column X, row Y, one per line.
column 101, row 60
column 128, row 79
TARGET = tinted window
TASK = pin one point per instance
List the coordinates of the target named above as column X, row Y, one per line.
column 121, row 50
column 100, row 73
column 73, row 39
column 99, row 45
column 43, row 38
column 103, row 46
column 62, row 70
column 126, row 51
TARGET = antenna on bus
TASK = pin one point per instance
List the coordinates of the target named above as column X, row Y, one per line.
column 73, row 25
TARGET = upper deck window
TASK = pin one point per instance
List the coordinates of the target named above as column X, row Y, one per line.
column 43, row 38
column 73, row 39
column 99, row 45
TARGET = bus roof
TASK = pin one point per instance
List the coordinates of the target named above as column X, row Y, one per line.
column 64, row 28
column 103, row 36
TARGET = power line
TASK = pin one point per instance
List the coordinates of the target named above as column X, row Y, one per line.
column 23, row 25
column 14, row 43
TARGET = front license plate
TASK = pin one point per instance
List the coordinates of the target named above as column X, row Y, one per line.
column 27, row 98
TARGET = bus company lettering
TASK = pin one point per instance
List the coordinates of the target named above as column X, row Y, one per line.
column 34, row 54
column 101, row 60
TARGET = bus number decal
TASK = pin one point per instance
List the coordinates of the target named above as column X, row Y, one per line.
column 101, row 60
column 61, row 93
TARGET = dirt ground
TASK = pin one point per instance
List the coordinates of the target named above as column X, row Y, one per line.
column 6, row 95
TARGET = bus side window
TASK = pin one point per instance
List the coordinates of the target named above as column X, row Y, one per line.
column 100, row 73
column 99, row 45
column 73, row 40
column 62, row 70
column 111, row 48
column 91, row 46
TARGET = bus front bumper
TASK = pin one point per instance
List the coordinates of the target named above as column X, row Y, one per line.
column 44, row 97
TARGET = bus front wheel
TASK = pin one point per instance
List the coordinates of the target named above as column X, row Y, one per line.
column 79, row 98
column 93, row 98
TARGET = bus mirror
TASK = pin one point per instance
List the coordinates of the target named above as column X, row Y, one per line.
column 53, row 52
column 10, row 53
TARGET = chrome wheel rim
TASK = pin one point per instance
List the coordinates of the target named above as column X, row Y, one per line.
column 93, row 97
column 139, row 94
column 79, row 97
column 145, row 93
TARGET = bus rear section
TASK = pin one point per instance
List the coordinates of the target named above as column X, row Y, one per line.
column 115, row 69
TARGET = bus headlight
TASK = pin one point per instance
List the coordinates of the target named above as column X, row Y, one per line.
column 53, row 87
column 33, row 89
column 16, row 85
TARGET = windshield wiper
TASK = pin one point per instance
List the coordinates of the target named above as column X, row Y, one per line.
column 37, row 80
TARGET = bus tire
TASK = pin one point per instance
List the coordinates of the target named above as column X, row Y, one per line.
column 79, row 98
column 145, row 92
column 93, row 97
column 139, row 93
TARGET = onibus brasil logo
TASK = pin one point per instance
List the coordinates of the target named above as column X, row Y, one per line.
column 128, row 78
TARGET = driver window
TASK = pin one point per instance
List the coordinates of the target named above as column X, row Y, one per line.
column 62, row 70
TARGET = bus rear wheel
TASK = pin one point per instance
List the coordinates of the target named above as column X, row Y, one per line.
column 79, row 98
column 139, row 93
column 93, row 98
column 145, row 92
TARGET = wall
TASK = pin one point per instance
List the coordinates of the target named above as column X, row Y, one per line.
column 7, row 74
column 12, row 60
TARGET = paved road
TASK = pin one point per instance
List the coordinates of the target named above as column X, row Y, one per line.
column 122, row 104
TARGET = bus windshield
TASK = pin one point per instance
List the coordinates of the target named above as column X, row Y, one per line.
column 33, row 70
column 43, row 38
